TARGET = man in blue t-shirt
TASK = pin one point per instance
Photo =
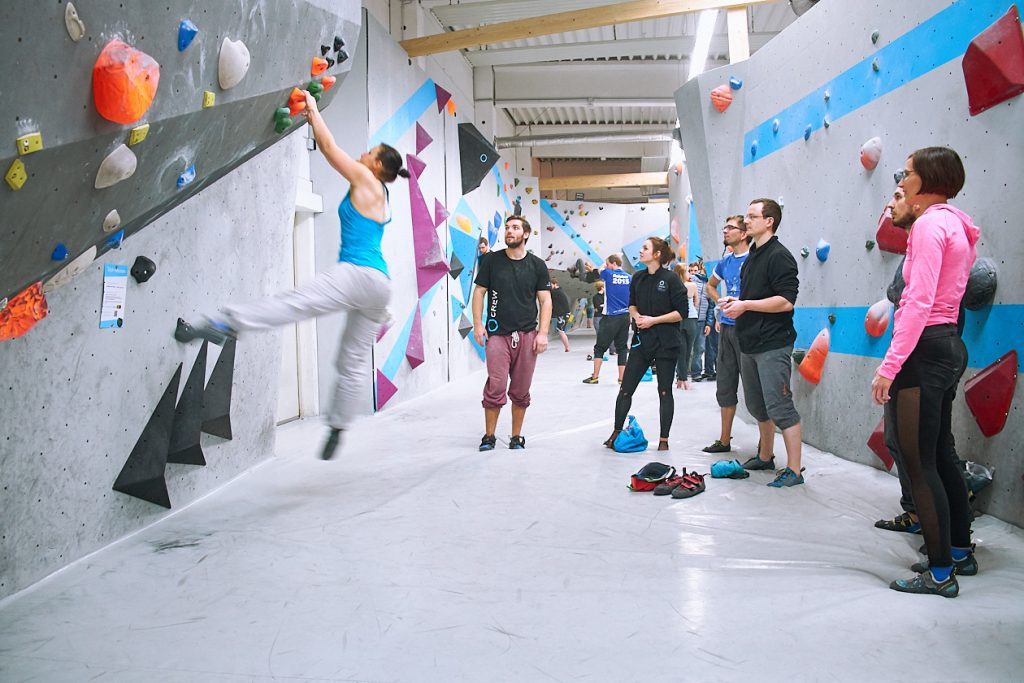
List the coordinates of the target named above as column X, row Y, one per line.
column 734, row 236
column 615, row 323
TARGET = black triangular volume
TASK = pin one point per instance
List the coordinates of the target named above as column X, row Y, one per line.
column 342, row 57
column 330, row 62
column 476, row 156
column 338, row 43
column 188, row 417
column 324, row 49
column 217, row 397
column 455, row 268
column 143, row 473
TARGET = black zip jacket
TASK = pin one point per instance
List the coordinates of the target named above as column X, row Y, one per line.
column 768, row 271
column 654, row 295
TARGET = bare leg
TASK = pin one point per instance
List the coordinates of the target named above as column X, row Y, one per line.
column 597, row 368
column 565, row 340
column 491, row 420
column 728, row 414
column 766, row 431
column 792, row 436
column 518, row 415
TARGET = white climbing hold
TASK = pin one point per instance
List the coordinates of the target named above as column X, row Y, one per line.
column 74, row 23
column 112, row 222
column 70, row 271
column 118, row 165
column 234, row 63
column 870, row 153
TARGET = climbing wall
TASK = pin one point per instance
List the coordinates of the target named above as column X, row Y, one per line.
column 593, row 230
column 875, row 71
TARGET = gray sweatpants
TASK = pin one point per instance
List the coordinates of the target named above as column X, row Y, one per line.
column 360, row 291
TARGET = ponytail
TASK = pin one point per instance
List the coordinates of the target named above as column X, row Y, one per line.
column 391, row 161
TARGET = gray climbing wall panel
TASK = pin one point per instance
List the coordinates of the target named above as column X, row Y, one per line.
column 828, row 194
column 48, row 89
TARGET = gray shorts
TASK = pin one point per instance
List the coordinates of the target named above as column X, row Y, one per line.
column 766, row 387
column 728, row 371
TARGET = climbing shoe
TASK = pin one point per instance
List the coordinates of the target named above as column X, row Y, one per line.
column 487, row 443
column 757, row 463
column 666, row 487
column 718, row 447
column 965, row 567
column 331, row 445
column 590, row 380
column 690, row 486
column 926, row 583
column 902, row 523
column 787, row 477
column 517, row 442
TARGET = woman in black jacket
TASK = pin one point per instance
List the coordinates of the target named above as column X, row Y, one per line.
column 657, row 303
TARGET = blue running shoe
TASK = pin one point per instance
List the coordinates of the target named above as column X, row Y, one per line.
column 517, row 443
column 487, row 443
column 787, row 477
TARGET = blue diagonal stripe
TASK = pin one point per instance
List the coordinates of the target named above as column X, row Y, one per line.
column 581, row 243
column 403, row 119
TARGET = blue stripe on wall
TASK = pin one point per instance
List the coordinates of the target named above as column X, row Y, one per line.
column 581, row 243
column 988, row 333
column 403, row 119
column 934, row 42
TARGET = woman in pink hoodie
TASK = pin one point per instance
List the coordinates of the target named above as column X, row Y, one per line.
column 925, row 358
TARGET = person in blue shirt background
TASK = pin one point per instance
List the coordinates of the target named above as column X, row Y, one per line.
column 615, row 322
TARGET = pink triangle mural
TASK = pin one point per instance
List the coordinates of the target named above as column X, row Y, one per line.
column 440, row 213
column 385, row 390
column 422, row 138
column 383, row 330
column 414, row 349
column 415, row 165
column 431, row 264
column 442, row 97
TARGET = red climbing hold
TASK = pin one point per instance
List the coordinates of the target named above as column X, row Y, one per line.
column 877, row 319
column 328, row 81
column 889, row 237
column 721, row 98
column 994, row 63
column 812, row 364
column 296, row 102
column 124, row 82
column 22, row 312
column 876, row 442
column 990, row 393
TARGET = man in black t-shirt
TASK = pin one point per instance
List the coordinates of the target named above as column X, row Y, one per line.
column 517, row 284
column 560, row 310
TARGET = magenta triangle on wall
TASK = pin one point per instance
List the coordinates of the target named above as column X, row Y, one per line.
column 440, row 213
column 415, row 166
column 422, row 138
column 414, row 349
column 385, row 390
column 442, row 97
column 431, row 264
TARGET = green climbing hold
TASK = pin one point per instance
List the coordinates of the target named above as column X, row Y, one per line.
column 805, row 252
column 831, row 318
column 875, row 36
column 869, row 245
column 798, row 355
column 314, row 88
column 282, row 120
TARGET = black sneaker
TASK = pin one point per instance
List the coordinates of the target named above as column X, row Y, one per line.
column 487, row 443
column 331, row 445
column 718, row 447
column 517, row 443
column 757, row 463
column 698, row 378
column 590, row 380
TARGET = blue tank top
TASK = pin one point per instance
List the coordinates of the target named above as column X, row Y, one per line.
column 360, row 237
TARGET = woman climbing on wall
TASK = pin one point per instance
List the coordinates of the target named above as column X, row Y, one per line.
column 657, row 303
column 924, row 360
column 358, row 284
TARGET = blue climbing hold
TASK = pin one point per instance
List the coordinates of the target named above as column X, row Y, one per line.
column 775, row 126
column 60, row 252
column 114, row 241
column 753, row 148
column 186, row 32
column 807, row 132
column 735, row 83
column 187, row 177
column 821, row 251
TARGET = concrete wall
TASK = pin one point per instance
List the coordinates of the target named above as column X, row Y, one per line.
column 76, row 397
column 603, row 228
column 827, row 194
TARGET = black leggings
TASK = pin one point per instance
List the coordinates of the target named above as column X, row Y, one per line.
column 636, row 366
column 923, row 395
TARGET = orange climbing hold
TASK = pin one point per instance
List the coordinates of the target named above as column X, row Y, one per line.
column 124, row 82
column 812, row 364
column 721, row 98
column 296, row 101
column 22, row 312
column 876, row 322
column 319, row 66
column 328, row 81
column 451, row 107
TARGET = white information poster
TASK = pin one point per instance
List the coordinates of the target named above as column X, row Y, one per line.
column 115, row 284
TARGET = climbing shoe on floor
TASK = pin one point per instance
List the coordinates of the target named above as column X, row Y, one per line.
column 718, row 447
column 591, row 380
column 487, row 443
column 666, row 487
column 757, row 463
column 787, row 477
column 331, row 445
column 902, row 523
column 690, row 486
column 967, row 566
column 517, row 443
column 926, row 583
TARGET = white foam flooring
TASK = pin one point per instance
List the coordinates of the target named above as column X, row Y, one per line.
column 412, row 557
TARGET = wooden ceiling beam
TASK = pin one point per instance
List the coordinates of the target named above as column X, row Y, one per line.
column 583, row 182
column 563, row 22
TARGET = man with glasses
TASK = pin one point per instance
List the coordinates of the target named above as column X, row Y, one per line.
column 734, row 236
column 764, row 329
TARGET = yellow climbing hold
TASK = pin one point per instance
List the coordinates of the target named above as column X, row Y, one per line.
column 138, row 134
column 32, row 142
column 16, row 175
column 208, row 99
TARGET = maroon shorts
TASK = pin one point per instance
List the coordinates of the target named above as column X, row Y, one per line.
column 510, row 363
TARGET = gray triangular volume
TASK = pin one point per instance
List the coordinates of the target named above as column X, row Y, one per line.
column 476, row 156
column 455, row 268
column 465, row 326
column 143, row 473
column 188, row 417
column 217, row 397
